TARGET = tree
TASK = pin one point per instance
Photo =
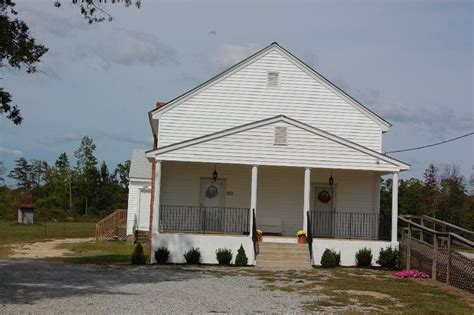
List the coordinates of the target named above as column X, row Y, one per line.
column 57, row 187
column 86, row 170
column 452, row 195
column 121, row 173
column 19, row 50
column 2, row 172
column 430, row 190
column 22, row 174
column 38, row 170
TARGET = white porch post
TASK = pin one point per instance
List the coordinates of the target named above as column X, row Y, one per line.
column 306, row 198
column 394, row 207
column 253, row 189
column 156, row 197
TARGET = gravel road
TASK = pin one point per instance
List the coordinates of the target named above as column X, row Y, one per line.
column 35, row 286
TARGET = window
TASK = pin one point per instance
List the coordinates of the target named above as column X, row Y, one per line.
column 272, row 79
column 281, row 135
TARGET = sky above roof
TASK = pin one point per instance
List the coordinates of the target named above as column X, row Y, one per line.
column 410, row 62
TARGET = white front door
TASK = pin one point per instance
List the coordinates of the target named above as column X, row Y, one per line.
column 324, row 206
column 212, row 203
column 144, row 210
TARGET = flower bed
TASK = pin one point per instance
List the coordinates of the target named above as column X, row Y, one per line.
column 411, row 273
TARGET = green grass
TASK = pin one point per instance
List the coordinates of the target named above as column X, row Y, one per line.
column 365, row 290
column 11, row 232
column 100, row 252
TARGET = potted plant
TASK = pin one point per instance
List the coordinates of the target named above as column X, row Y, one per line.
column 259, row 235
column 301, row 236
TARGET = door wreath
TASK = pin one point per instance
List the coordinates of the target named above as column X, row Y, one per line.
column 211, row 192
column 324, row 196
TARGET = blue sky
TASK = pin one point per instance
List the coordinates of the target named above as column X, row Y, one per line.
column 409, row 61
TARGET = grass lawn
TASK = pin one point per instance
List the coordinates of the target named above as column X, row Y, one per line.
column 11, row 232
column 101, row 252
column 355, row 291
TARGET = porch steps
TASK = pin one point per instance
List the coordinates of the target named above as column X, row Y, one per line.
column 141, row 236
column 283, row 256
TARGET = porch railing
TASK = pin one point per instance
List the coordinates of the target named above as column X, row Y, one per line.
column 196, row 219
column 356, row 225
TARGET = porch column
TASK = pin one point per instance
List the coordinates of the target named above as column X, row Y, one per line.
column 253, row 189
column 394, row 207
column 306, row 197
column 156, row 205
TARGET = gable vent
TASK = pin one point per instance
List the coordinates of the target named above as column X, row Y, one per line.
column 281, row 135
column 272, row 79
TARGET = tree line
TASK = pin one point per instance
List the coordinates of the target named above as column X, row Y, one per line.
column 440, row 194
column 86, row 189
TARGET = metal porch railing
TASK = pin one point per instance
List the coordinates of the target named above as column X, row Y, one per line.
column 196, row 219
column 357, row 225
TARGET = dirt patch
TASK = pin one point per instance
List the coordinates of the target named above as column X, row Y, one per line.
column 376, row 295
column 48, row 249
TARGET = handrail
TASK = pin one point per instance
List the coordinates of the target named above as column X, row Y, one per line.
column 309, row 237
column 453, row 226
column 254, row 233
column 446, row 234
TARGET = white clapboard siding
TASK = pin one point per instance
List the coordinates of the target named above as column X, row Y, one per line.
column 256, row 146
column 133, row 201
column 280, row 189
column 244, row 97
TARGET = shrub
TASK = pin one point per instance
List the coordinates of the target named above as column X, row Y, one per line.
column 241, row 258
column 364, row 257
column 224, row 256
column 138, row 257
column 330, row 259
column 193, row 256
column 389, row 258
column 161, row 255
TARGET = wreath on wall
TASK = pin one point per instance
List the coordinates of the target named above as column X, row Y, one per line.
column 324, row 197
column 212, row 192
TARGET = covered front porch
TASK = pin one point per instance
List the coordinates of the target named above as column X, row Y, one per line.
column 208, row 198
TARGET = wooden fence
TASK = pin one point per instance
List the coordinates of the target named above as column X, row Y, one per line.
column 113, row 226
column 432, row 251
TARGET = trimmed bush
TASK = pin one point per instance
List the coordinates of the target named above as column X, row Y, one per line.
column 224, row 256
column 193, row 256
column 330, row 259
column 138, row 257
column 389, row 258
column 241, row 258
column 364, row 257
column 161, row 255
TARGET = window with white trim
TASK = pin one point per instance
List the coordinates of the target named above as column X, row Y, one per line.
column 273, row 79
column 281, row 135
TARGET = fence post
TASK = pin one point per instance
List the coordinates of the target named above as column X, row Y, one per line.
column 409, row 236
column 421, row 231
column 448, row 268
column 435, row 257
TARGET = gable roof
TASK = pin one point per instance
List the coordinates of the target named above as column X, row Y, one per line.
column 140, row 166
column 296, row 61
column 280, row 118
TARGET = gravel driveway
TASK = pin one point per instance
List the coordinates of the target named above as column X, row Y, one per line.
column 34, row 286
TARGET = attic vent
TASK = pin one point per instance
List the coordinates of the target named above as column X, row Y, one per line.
column 281, row 135
column 272, row 79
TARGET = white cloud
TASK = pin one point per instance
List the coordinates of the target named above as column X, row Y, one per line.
column 11, row 152
column 228, row 55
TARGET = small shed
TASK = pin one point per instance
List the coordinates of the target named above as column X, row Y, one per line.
column 25, row 213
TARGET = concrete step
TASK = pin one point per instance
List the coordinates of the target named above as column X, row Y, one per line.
column 283, row 256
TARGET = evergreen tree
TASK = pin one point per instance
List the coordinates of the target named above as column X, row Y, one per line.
column 430, row 190
column 22, row 174
column 86, row 172
column 121, row 173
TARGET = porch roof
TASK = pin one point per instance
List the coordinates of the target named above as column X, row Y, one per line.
column 253, row 144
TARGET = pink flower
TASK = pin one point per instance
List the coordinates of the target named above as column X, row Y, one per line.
column 411, row 273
